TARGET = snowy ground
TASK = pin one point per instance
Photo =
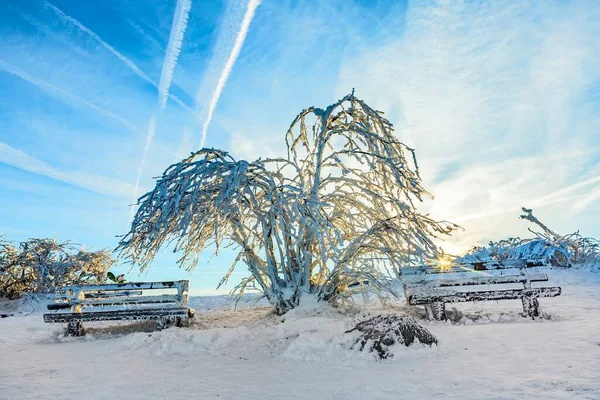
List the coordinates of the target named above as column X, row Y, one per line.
column 489, row 352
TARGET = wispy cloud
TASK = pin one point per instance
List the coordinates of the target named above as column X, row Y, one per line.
column 70, row 20
column 125, row 60
column 516, row 78
column 95, row 183
column 228, row 66
column 50, row 88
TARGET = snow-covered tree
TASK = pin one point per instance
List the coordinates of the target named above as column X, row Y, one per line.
column 337, row 209
column 546, row 247
column 41, row 265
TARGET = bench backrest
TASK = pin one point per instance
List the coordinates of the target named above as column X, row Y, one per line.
column 424, row 279
column 455, row 268
column 132, row 294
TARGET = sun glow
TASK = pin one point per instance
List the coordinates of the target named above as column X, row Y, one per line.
column 444, row 263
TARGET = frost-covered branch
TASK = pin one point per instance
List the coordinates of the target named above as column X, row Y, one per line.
column 548, row 233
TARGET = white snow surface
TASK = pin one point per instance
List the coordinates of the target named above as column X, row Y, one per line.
column 488, row 351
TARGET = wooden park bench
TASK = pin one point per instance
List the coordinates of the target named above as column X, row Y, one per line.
column 434, row 287
column 164, row 302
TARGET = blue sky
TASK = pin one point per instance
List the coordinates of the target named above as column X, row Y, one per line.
column 501, row 101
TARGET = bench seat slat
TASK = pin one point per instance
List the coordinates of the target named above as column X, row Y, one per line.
column 434, row 271
column 412, row 273
column 454, row 268
column 458, row 297
column 111, row 293
column 137, row 314
column 87, row 303
column 125, row 286
column 477, row 280
column 72, row 297
column 166, row 298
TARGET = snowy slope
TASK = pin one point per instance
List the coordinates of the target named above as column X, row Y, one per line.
column 490, row 353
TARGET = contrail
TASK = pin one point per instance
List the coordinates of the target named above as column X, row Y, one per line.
column 541, row 201
column 115, row 52
column 107, row 46
column 11, row 69
column 235, row 52
column 149, row 138
column 180, row 20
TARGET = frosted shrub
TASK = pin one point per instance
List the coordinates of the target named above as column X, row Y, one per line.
column 546, row 247
column 338, row 208
column 41, row 265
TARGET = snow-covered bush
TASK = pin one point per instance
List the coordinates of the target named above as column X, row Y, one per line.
column 379, row 333
column 528, row 251
column 41, row 265
column 337, row 209
column 546, row 248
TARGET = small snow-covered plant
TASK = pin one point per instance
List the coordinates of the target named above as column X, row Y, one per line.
column 115, row 279
column 41, row 265
column 337, row 209
column 379, row 333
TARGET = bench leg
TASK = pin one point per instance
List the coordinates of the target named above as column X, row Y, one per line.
column 75, row 328
column 436, row 311
column 161, row 324
column 531, row 307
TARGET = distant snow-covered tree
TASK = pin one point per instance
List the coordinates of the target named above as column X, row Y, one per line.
column 338, row 209
column 41, row 265
column 547, row 247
